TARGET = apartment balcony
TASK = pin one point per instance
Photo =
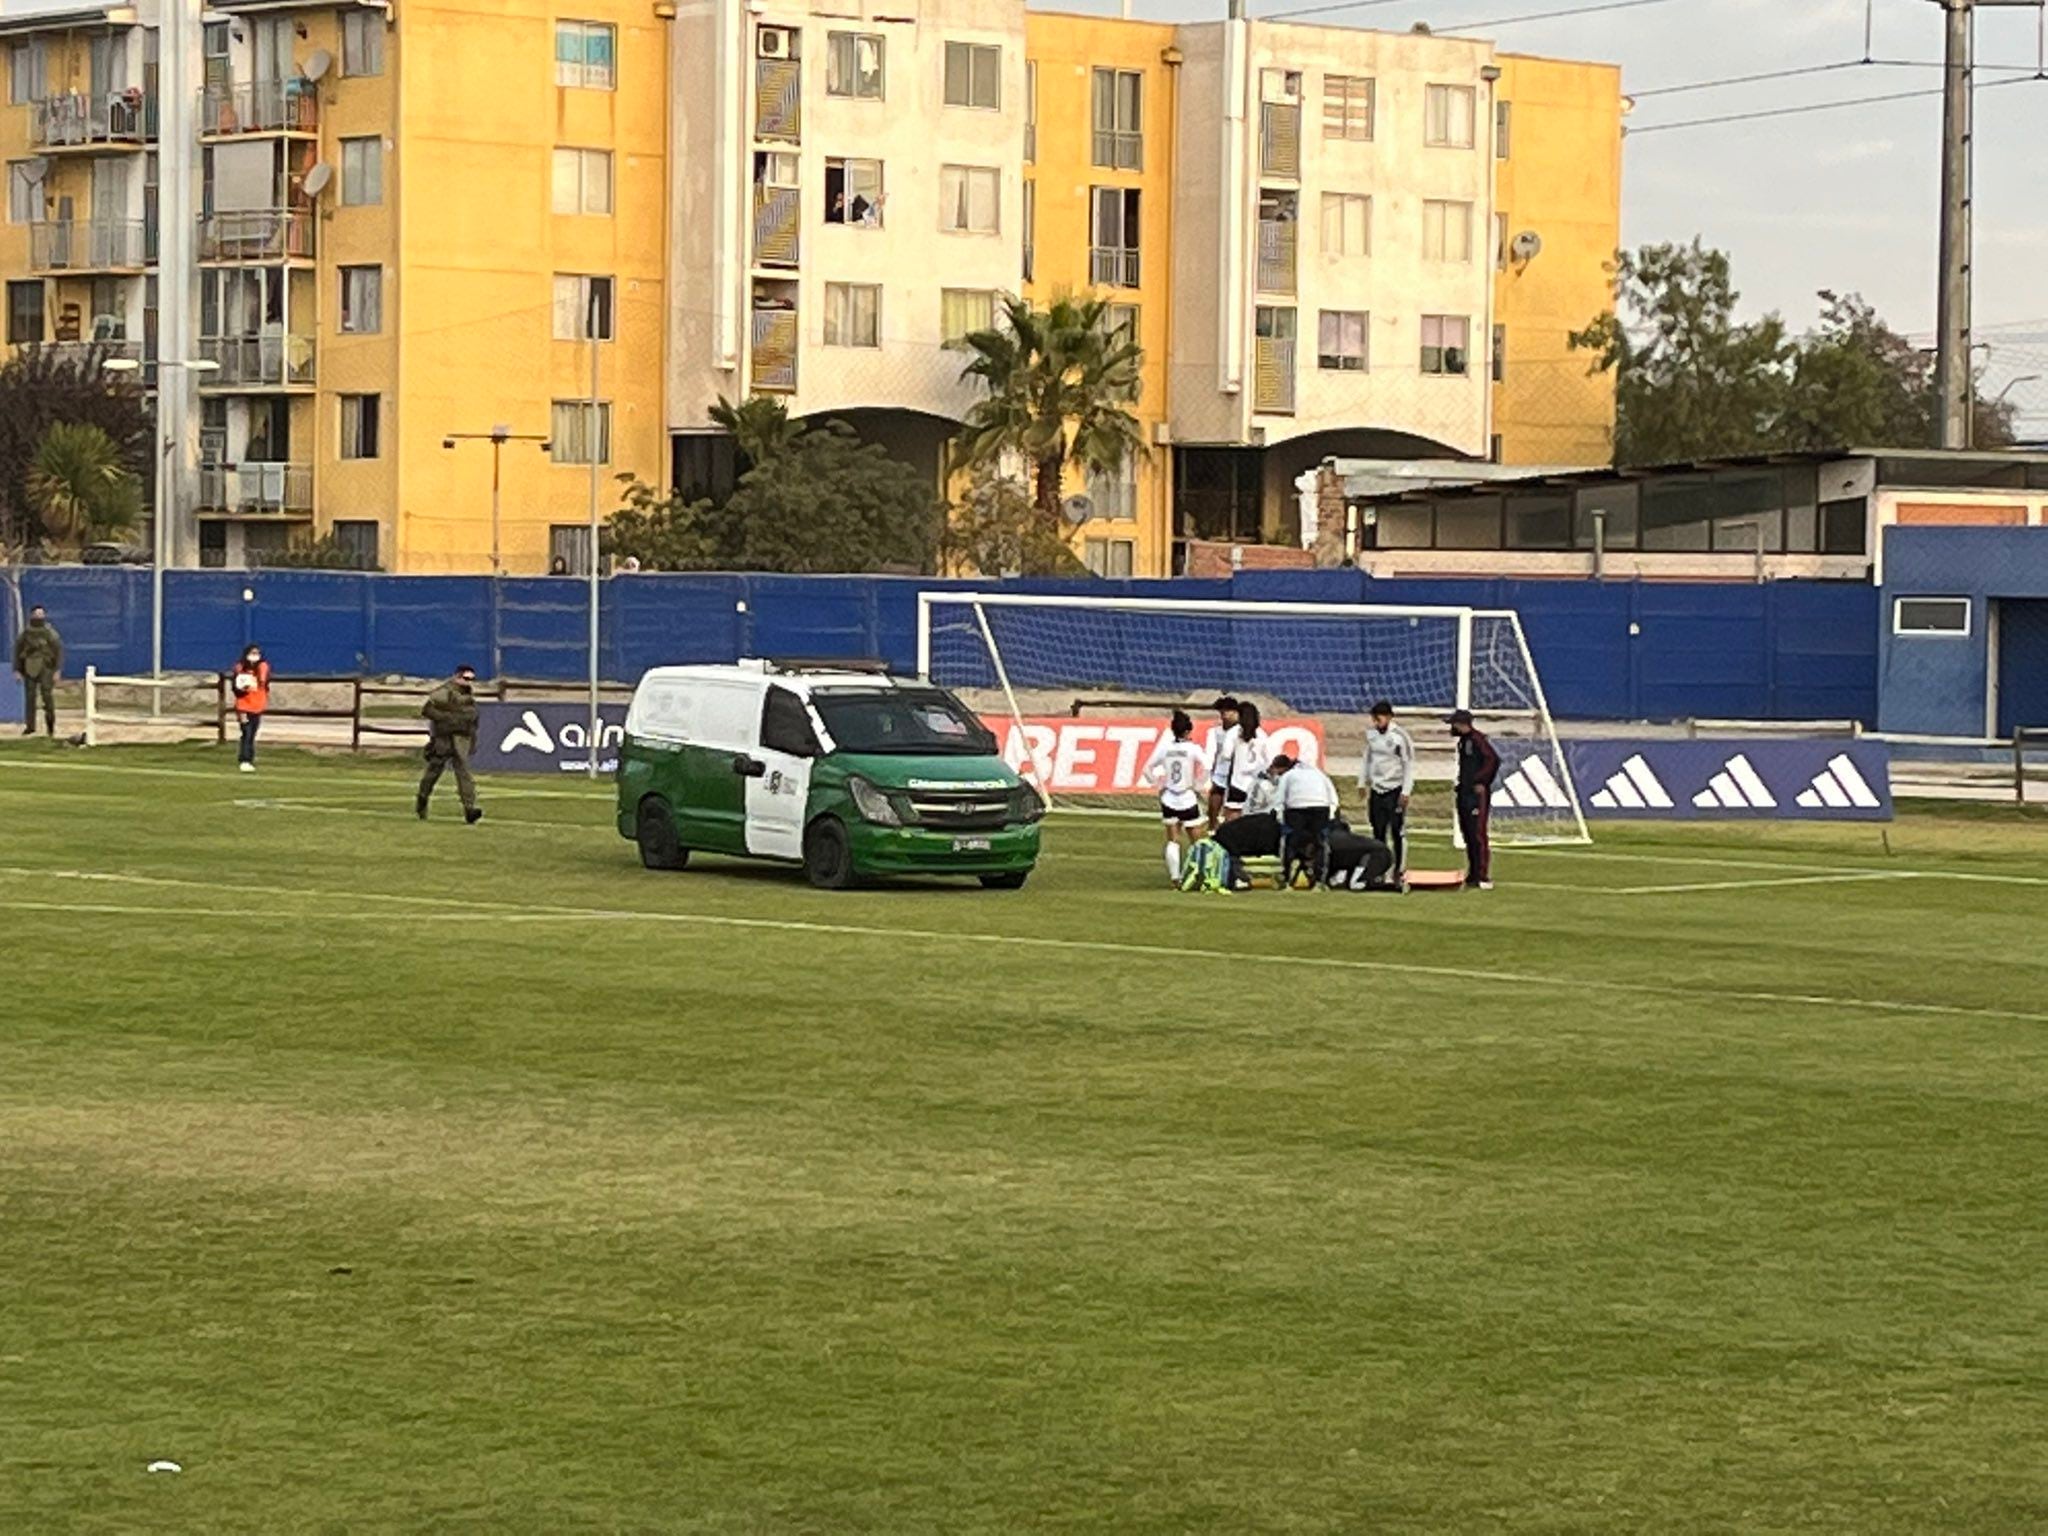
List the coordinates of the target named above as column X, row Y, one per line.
column 778, row 215
column 778, row 99
column 1277, row 243
column 288, row 108
column 1280, row 139
column 78, row 122
column 90, row 245
column 1113, row 266
column 1273, row 376
column 81, row 353
column 279, row 361
column 257, row 235
column 256, row 490
column 774, row 352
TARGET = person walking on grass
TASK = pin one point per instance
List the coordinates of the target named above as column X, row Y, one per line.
column 450, row 713
column 1477, row 765
column 1176, row 768
column 38, row 659
column 250, row 683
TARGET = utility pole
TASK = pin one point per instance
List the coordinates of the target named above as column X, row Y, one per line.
column 1952, row 320
column 596, row 324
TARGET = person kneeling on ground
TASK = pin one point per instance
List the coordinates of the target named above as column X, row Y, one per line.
column 1254, row 833
column 1359, row 862
column 1307, row 802
column 450, row 713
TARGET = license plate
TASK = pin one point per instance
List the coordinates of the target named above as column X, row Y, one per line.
column 971, row 845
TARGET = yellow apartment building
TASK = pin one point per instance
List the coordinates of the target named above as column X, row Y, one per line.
column 407, row 221
column 1557, row 192
column 1100, row 141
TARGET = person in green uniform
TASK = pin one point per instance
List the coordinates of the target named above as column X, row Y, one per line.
column 38, row 658
column 450, row 713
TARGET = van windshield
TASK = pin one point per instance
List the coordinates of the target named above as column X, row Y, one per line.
column 919, row 721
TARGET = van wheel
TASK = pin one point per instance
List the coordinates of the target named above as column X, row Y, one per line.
column 655, row 831
column 828, row 858
column 1013, row 881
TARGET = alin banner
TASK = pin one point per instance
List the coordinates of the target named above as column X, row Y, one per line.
column 1733, row 779
column 1107, row 755
column 546, row 738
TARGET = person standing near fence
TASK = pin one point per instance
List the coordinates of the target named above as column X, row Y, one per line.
column 1478, row 763
column 250, row 683
column 1387, row 775
column 450, row 713
column 38, row 659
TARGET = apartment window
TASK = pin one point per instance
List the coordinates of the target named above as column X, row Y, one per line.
column 362, row 300
column 1500, row 352
column 583, row 307
column 25, row 312
column 1347, row 224
column 963, row 311
column 573, row 437
column 1446, row 231
column 1500, row 241
column 1503, row 122
column 1446, row 344
column 1121, row 322
column 1113, row 226
column 583, row 181
column 1119, row 142
column 568, row 549
column 362, row 51
column 1030, row 111
column 853, row 315
column 974, row 76
column 24, row 192
column 359, row 423
column 362, row 171
column 968, row 197
column 25, row 73
column 1341, row 340
column 1348, row 106
column 1931, row 616
column 586, row 54
column 853, row 65
column 1109, row 557
column 1115, row 492
column 1030, row 228
column 1447, row 112
column 356, row 538
column 853, row 193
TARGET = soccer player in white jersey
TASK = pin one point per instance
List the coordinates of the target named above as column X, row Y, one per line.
column 1219, row 757
column 1248, row 751
column 1178, row 766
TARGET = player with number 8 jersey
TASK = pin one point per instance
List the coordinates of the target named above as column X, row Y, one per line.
column 1178, row 766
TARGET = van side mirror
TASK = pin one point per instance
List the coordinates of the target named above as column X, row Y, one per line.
column 749, row 767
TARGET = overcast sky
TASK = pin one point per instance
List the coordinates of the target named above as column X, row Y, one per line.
column 1844, row 199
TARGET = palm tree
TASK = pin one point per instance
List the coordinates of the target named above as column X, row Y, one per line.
column 759, row 426
column 79, row 487
column 1060, row 385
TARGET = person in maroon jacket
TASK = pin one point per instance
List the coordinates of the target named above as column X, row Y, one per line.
column 1477, row 765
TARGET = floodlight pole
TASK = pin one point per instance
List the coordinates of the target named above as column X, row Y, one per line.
column 497, row 437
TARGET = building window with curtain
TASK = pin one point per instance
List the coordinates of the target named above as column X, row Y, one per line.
column 969, row 199
column 586, row 55
column 853, row 315
column 962, row 311
column 1119, row 128
column 573, row 438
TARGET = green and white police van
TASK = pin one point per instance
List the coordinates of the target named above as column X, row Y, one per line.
column 846, row 770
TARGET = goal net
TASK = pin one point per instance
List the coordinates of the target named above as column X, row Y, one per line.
column 1078, row 690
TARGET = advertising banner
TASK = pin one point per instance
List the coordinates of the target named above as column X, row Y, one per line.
column 1107, row 755
column 546, row 738
column 1732, row 779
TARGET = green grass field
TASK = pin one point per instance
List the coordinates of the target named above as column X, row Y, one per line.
column 404, row 1177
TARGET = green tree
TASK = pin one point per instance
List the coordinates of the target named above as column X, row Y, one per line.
column 996, row 530
column 664, row 533
column 40, row 388
column 78, row 487
column 1857, row 382
column 326, row 553
column 1059, row 385
column 759, row 426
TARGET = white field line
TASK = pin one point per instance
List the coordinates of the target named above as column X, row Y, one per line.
column 226, row 776
column 508, row 912
column 1755, row 885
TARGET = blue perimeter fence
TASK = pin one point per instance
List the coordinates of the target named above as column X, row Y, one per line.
column 1607, row 650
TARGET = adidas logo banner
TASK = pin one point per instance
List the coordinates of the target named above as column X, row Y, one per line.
column 546, row 738
column 1736, row 779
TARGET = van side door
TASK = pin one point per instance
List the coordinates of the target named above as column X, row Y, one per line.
column 776, row 799
column 710, row 804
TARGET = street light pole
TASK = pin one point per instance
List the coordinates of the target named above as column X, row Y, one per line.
column 594, row 443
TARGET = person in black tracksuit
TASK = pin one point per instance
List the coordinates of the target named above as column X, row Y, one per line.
column 1477, row 765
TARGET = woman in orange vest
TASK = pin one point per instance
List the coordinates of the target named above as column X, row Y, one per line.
column 251, row 684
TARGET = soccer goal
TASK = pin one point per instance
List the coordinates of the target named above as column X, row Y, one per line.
column 1078, row 689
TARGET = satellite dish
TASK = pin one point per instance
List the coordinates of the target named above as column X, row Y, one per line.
column 317, row 179
column 1526, row 246
column 1079, row 509
column 318, row 64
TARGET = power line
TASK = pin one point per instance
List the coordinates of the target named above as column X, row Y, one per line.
column 1769, row 74
column 1815, row 106
column 1341, row 5
column 1460, row 27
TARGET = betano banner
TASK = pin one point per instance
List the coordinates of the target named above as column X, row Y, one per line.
column 1107, row 755
column 1732, row 779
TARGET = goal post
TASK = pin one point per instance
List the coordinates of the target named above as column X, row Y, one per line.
column 1314, row 669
